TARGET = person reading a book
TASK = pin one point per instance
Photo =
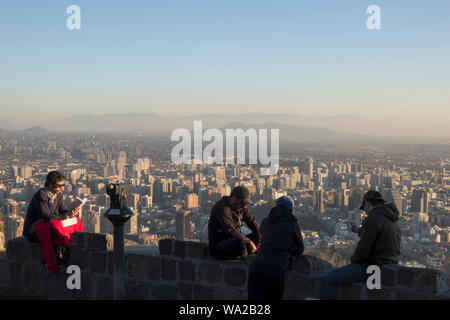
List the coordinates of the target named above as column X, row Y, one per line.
column 47, row 204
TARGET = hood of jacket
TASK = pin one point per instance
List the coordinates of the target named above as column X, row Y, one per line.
column 278, row 214
column 388, row 210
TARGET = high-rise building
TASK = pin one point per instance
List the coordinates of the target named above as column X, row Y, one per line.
column 105, row 225
column 269, row 194
column 146, row 201
column 220, row 174
column 182, row 225
column 419, row 201
column 91, row 220
column 135, row 198
column 131, row 226
column 393, row 196
column 26, row 172
column 10, row 207
column 318, row 201
column 13, row 226
column 191, row 201
column 355, row 198
column 375, row 180
column 310, row 167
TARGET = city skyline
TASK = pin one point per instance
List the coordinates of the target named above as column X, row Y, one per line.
column 327, row 187
column 197, row 58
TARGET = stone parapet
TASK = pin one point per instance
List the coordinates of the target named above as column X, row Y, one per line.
column 185, row 270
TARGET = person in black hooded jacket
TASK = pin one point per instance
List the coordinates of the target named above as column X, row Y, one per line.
column 281, row 237
column 379, row 244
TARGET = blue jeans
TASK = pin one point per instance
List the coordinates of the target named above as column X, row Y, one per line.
column 346, row 274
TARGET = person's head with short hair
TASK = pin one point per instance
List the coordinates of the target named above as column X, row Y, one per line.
column 285, row 202
column 240, row 197
column 55, row 181
column 371, row 199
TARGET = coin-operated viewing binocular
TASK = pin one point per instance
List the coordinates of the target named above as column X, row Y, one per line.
column 118, row 212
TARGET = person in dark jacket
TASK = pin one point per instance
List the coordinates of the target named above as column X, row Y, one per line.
column 47, row 204
column 281, row 237
column 379, row 244
column 224, row 227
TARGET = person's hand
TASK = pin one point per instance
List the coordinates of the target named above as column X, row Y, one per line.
column 359, row 231
column 253, row 248
column 74, row 212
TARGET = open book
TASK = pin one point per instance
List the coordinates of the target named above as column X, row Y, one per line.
column 76, row 203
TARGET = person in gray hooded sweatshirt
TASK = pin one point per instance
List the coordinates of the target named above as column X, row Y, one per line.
column 281, row 237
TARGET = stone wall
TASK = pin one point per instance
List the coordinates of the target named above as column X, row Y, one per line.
column 184, row 270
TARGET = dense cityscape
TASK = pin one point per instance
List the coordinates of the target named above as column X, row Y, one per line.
column 174, row 201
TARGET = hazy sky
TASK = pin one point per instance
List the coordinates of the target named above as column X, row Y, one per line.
column 215, row 56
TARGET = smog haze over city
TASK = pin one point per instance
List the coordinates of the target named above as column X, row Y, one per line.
column 356, row 108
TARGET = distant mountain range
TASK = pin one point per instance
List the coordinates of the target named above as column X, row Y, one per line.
column 341, row 126
column 31, row 130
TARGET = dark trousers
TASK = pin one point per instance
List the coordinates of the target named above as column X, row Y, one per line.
column 265, row 282
column 232, row 248
column 339, row 276
column 31, row 235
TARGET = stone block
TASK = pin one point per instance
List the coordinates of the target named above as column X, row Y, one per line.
column 428, row 281
column 235, row 277
column 226, row 293
column 211, row 272
column 306, row 286
column 197, row 250
column 153, row 268
column 201, row 292
column 103, row 287
column 78, row 240
column 168, row 269
column 136, row 266
column 4, row 273
column 403, row 293
column 96, row 241
column 98, row 261
column 388, row 275
column 57, row 287
column 36, row 253
column 16, row 273
column 185, row 291
column 406, row 277
column 18, row 249
column 166, row 247
column 80, row 257
column 381, row 294
column 350, row 291
column 179, row 249
column 32, row 276
column 298, row 286
column 164, row 292
column 186, row 270
column 302, row 264
column 137, row 290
